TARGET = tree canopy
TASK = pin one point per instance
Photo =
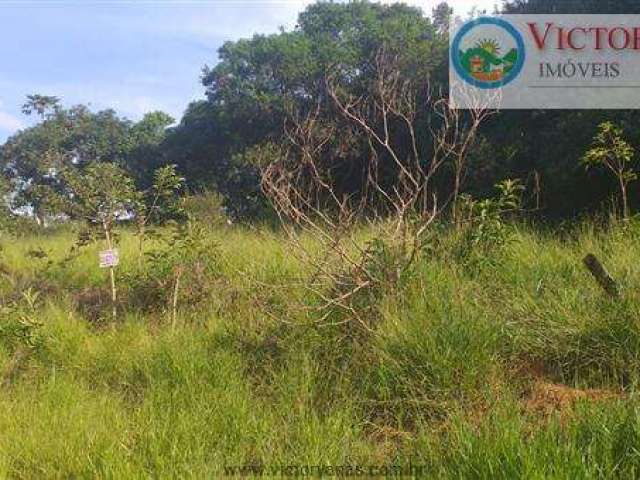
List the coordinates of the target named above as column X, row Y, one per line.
column 73, row 138
column 258, row 86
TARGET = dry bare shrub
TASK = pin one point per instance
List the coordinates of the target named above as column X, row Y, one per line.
column 400, row 194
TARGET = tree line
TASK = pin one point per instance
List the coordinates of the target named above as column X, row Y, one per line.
column 264, row 89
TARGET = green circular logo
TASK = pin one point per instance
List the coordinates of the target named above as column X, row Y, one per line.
column 488, row 53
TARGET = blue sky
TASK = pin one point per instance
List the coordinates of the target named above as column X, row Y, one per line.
column 133, row 56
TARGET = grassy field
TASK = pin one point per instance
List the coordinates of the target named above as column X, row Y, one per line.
column 514, row 365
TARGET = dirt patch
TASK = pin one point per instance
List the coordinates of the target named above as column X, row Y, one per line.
column 546, row 398
column 541, row 395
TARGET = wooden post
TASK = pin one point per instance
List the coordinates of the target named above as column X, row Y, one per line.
column 176, row 288
column 601, row 275
column 112, row 274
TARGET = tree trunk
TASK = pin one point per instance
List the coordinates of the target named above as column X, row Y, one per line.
column 625, row 201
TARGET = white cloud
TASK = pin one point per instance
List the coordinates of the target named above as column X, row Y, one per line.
column 126, row 100
column 285, row 12
column 463, row 7
column 233, row 19
column 142, row 105
column 10, row 123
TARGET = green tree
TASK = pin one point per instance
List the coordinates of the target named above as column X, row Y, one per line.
column 75, row 137
column 146, row 142
column 611, row 151
column 160, row 202
column 199, row 145
column 101, row 194
column 442, row 15
column 40, row 104
column 259, row 81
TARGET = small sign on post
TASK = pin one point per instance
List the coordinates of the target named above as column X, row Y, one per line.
column 109, row 258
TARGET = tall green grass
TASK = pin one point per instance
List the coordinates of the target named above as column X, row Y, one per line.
column 246, row 378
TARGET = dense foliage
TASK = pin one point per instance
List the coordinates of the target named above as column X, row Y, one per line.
column 259, row 82
column 73, row 138
column 255, row 78
column 222, row 142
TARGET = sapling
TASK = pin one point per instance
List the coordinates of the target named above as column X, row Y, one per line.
column 611, row 151
column 160, row 202
column 101, row 194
